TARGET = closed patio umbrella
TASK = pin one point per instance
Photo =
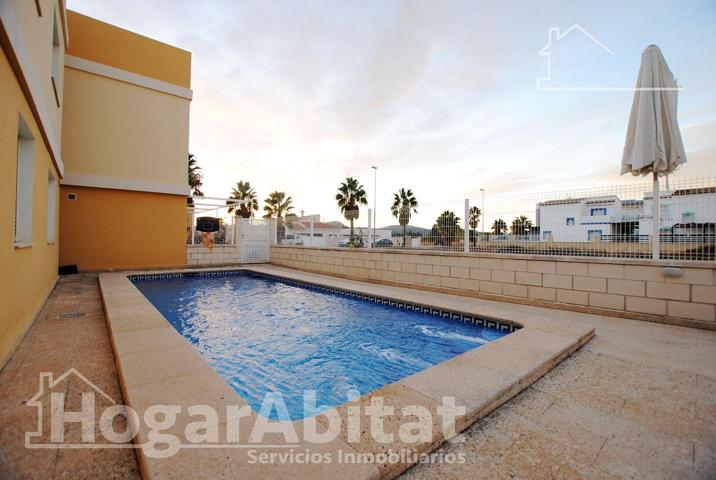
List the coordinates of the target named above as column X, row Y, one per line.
column 653, row 141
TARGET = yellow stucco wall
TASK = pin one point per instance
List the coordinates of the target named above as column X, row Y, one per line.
column 37, row 34
column 125, row 151
column 115, row 135
column 119, row 48
column 118, row 229
column 27, row 275
column 28, row 40
column 120, row 131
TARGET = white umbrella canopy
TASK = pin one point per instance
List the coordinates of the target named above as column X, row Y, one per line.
column 653, row 141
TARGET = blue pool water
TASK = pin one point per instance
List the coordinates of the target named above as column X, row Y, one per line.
column 265, row 335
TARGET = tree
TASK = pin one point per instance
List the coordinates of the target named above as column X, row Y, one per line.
column 474, row 219
column 499, row 226
column 447, row 228
column 243, row 191
column 349, row 197
column 404, row 205
column 277, row 205
column 195, row 179
column 521, row 225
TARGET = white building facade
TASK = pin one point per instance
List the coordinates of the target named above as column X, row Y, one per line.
column 682, row 212
column 578, row 219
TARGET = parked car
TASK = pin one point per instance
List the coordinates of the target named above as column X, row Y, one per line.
column 382, row 243
column 291, row 240
column 357, row 242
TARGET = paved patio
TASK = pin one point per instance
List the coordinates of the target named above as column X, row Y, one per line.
column 638, row 401
column 56, row 342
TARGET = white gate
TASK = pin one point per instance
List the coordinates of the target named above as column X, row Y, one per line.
column 253, row 239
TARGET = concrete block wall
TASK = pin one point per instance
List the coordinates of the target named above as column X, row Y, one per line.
column 217, row 255
column 617, row 287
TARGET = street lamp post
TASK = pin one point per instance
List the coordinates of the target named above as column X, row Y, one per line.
column 483, row 211
column 375, row 193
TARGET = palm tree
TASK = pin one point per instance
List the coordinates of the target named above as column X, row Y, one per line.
column 277, row 205
column 447, row 228
column 243, row 191
column 404, row 205
column 521, row 225
column 499, row 227
column 473, row 219
column 350, row 195
column 195, row 179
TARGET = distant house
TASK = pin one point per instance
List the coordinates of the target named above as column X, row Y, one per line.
column 578, row 219
column 682, row 212
column 326, row 234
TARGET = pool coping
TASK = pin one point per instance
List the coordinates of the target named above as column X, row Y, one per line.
column 156, row 365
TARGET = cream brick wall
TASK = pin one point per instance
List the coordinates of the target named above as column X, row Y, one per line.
column 217, row 255
column 630, row 288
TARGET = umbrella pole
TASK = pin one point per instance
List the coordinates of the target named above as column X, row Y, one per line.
column 655, row 246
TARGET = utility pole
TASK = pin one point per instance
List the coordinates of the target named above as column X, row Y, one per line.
column 375, row 193
column 483, row 211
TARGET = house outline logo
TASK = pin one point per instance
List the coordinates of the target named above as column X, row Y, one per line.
column 46, row 383
column 553, row 36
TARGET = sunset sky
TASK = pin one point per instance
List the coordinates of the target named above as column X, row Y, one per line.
column 441, row 96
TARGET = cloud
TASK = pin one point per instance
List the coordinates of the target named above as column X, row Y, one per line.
column 440, row 95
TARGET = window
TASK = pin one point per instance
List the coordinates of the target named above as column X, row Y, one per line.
column 546, row 234
column 51, row 207
column 665, row 213
column 688, row 217
column 24, row 184
column 594, row 234
column 570, row 220
column 56, row 58
column 598, row 211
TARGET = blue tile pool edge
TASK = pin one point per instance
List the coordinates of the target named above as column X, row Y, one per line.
column 410, row 306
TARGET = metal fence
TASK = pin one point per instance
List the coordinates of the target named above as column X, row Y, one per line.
column 217, row 208
column 250, row 237
column 612, row 222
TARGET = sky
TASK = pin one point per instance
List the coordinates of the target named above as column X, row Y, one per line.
column 441, row 96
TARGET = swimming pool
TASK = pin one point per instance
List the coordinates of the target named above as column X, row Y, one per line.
column 264, row 335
